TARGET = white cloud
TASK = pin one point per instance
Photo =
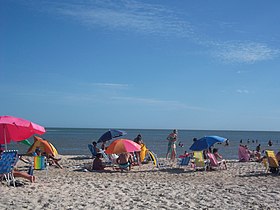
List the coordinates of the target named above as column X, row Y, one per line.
column 244, row 52
column 242, row 91
column 156, row 19
column 124, row 15
column 169, row 104
column 110, row 85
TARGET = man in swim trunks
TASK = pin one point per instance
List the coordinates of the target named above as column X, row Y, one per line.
column 172, row 138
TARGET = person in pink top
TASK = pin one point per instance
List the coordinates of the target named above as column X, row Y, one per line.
column 219, row 157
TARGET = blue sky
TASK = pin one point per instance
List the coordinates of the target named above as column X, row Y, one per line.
column 141, row 64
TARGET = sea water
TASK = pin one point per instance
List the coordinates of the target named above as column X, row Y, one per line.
column 74, row 141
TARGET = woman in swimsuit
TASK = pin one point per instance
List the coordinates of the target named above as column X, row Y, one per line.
column 172, row 138
column 124, row 160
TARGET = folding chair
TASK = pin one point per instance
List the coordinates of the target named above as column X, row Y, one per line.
column 158, row 163
column 272, row 162
column 184, row 161
column 8, row 160
column 92, row 150
column 214, row 162
column 40, row 163
column 109, row 161
column 199, row 161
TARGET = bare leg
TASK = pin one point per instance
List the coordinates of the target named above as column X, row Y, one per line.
column 55, row 160
column 173, row 155
column 24, row 175
column 167, row 154
column 57, row 163
column 138, row 158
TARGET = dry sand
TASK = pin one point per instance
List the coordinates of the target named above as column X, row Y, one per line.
column 242, row 186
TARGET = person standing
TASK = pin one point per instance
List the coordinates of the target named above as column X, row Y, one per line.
column 172, row 139
column 138, row 140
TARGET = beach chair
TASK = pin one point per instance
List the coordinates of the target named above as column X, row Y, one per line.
column 243, row 154
column 92, row 150
column 40, row 163
column 214, row 163
column 199, row 161
column 7, row 163
column 184, row 161
column 158, row 163
column 272, row 162
column 109, row 161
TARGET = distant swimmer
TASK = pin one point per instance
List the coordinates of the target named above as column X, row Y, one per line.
column 241, row 141
column 270, row 143
column 227, row 143
column 181, row 144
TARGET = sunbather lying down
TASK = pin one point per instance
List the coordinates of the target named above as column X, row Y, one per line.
column 124, row 160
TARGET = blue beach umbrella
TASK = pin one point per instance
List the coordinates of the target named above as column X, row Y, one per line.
column 206, row 142
column 110, row 135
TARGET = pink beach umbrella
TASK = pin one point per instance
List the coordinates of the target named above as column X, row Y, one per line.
column 122, row 145
column 17, row 129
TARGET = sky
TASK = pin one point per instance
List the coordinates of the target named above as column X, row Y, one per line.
column 157, row 64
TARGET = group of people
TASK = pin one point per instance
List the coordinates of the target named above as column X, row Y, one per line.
column 124, row 160
column 29, row 175
column 269, row 143
column 245, row 154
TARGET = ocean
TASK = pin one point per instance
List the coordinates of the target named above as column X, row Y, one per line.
column 74, row 141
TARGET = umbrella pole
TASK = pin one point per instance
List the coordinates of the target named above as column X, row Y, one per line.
column 6, row 147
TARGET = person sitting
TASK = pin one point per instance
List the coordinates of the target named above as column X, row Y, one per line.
column 21, row 174
column 219, row 157
column 97, row 163
column 124, row 160
column 93, row 148
column 51, row 159
column 243, row 153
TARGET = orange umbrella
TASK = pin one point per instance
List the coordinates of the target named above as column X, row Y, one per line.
column 122, row 145
column 43, row 145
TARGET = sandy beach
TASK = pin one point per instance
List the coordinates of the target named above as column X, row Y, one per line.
column 242, row 186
